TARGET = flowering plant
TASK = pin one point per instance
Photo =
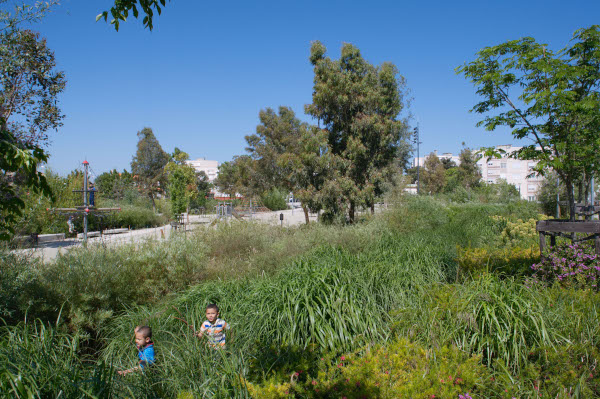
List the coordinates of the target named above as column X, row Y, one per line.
column 569, row 265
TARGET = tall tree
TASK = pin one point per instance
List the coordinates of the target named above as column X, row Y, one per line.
column 358, row 104
column 433, row 174
column 182, row 181
column 550, row 98
column 238, row 176
column 276, row 134
column 29, row 88
column 307, row 165
column 467, row 170
column 148, row 164
column 289, row 154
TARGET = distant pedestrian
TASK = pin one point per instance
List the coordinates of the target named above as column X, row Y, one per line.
column 92, row 191
column 71, row 225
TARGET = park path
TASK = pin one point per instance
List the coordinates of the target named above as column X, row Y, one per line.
column 49, row 251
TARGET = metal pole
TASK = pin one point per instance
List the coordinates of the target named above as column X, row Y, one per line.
column 557, row 198
column 418, row 161
column 85, row 201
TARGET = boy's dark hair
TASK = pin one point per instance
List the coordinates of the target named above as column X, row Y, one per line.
column 145, row 331
column 213, row 306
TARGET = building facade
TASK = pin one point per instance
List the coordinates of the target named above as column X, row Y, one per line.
column 211, row 168
column 514, row 171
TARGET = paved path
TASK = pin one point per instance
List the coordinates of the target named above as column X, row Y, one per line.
column 49, row 251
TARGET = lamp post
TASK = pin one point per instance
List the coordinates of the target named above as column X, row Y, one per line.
column 417, row 142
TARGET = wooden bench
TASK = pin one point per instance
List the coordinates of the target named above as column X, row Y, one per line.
column 566, row 228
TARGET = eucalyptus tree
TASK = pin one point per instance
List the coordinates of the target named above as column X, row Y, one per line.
column 548, row 97
column 358, row 105
column 148, row 165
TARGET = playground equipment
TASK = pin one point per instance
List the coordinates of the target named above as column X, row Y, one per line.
column 87, row 207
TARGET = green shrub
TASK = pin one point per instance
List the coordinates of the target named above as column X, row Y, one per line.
column 274, row 199
column 23, row 293
column 396, row 370
column 503, row 261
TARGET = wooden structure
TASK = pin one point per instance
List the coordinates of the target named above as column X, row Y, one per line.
column 86, row 208
column 566, row 228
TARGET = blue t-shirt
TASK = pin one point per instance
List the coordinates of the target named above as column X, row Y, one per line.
column 146, row 355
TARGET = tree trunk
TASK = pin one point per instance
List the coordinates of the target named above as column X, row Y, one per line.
column 372, row 208
column 570, row 198
column 351, row 212
column 153, row 203
column 305, row 209
column 580, row 191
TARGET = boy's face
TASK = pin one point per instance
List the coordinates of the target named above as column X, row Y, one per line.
column 211, row 315
column 140, row 340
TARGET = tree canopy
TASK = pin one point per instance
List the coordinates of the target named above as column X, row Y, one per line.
column 549, row 97
column 29, row 88
column 358, row 105
column 148, row 164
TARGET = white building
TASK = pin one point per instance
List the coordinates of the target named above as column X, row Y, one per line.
column 515, row 171
column 211, row 168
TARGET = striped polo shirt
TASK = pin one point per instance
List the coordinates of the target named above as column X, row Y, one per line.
column 215, row 332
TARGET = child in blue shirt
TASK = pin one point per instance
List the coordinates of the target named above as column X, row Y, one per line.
column 143, row 341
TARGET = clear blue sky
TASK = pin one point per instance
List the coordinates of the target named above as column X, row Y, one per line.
column 202, row 75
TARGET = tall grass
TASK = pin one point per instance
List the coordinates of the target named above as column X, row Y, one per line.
column 291, row 295
column 38, row 361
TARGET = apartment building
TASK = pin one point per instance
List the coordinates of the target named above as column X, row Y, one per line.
column 514, row 171
column 211, row 168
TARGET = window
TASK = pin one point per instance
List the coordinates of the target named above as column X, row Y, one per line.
column 490, row 181
column 491, row 164
column 503, row 165
column 531, row 198
column 531, row 188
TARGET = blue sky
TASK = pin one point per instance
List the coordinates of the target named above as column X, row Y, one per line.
column 202, row 75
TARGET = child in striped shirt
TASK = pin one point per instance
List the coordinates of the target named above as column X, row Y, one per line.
column 214, row 328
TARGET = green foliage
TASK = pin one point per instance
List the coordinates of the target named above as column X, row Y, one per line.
column 500, row 319
column 395, row 370
column 274, row 199
column 513, row 261
column 148, row 164
column 121, row 8
column 39, row 361
column 549, row 97
column 114, row 185
column 182, row 187
column 358, row 104
column 433, row 174
column 294, row 296
column 29, row 89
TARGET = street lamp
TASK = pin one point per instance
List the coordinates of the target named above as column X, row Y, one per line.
column 417, row 142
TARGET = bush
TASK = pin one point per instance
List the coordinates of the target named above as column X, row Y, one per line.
column 503, row 261
column 274, row 199
column 395, row 370
column 569, row 265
